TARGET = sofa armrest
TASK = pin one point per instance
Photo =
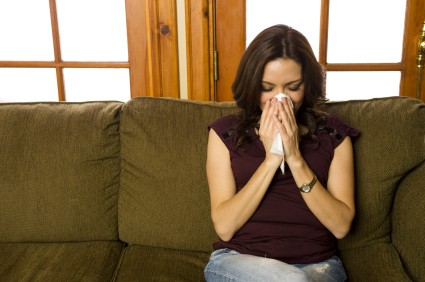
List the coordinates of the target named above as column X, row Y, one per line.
column 408, row 222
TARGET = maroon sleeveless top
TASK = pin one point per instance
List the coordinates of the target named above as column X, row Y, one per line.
column 283, row 227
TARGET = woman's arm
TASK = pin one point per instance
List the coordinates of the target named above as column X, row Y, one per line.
column 231, row 210
column 334, row 207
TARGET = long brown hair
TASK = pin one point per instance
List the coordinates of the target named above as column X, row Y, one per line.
column 279, row 41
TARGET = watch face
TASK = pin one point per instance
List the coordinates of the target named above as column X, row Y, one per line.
column 305, row 188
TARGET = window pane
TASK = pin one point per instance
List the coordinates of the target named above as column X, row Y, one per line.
column 361, row 85
column 25, row 31
column 265, row 13
column 364, row 31
column 92, row 30
column 28, row 85
column 97, row 85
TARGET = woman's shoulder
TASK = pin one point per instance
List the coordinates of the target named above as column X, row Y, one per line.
column 224, row 124
column 225, row 127
column 335, row 126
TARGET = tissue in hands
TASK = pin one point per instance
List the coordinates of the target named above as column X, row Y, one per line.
column 277, row 147
column 280, row 97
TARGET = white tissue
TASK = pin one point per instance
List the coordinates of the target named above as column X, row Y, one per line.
column 277, row 147
column 280, row 97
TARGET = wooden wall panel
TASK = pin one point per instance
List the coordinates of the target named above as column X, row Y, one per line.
column 166, row 30
column 153, row 48
column 199, row 50
column 152, row 45
column 138, row 48
column 231, row 37
column 415, row 14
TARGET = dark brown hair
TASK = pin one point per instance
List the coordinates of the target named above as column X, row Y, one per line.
column 279, row 41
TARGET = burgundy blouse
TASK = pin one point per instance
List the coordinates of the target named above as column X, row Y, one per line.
column 283, row 227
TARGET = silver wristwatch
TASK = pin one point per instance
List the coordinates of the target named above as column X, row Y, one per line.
column 306, row 187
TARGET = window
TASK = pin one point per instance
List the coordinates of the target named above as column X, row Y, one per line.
column 62, row 50
column 357, row 53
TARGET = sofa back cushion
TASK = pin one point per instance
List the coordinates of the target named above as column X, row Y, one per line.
column 59, row 171
column 164, row 198
column 390, row 145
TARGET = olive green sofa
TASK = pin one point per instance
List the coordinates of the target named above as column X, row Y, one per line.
column 111, row 191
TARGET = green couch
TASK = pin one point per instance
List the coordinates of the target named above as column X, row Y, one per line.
column 110, row 191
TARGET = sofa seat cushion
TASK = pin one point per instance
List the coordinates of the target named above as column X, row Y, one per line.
column 378, row 262
column 144, row 263
column 85, row 261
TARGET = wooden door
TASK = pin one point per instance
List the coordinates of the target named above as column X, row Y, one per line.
column 152, row 48
column 230, row 42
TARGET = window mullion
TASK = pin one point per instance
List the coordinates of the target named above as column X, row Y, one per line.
column 324, row 28
column 57, row 50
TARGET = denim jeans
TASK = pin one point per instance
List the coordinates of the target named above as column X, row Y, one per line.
column 229, row 265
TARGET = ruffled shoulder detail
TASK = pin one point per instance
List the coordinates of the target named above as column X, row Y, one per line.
column 337, row 129
column 225, row 127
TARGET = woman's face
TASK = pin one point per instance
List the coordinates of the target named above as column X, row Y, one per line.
column 282, row 76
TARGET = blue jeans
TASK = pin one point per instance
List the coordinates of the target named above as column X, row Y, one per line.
column 229, row 265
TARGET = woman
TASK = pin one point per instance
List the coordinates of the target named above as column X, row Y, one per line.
column 276, row 226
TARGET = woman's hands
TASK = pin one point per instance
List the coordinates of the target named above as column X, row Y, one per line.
column 289, row 131
column 268, row 127
column 279, row 117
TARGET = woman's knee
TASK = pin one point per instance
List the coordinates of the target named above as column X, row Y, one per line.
column 330, row 270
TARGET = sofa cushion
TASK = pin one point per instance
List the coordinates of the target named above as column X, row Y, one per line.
column 408, row 222
column 142, row 263
column 85, row 261
column 391, row 144
column 164, row 197
column 60, row 171
column 379, row 263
